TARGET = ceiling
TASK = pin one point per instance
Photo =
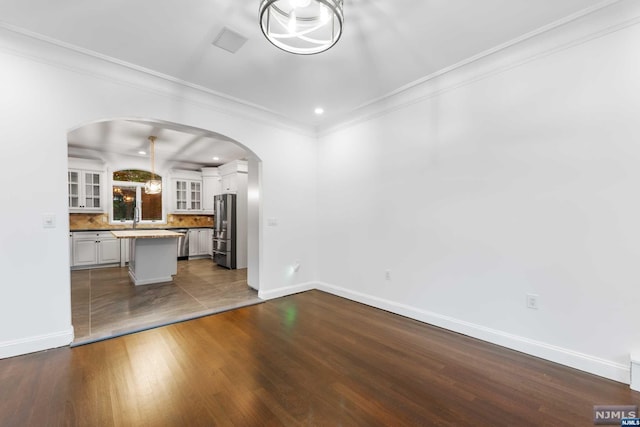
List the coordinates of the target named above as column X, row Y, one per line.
column 176, row 146
column 386, row 45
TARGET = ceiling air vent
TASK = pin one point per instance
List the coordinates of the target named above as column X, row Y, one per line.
column 229, row 40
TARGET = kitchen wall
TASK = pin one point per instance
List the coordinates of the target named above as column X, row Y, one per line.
column 515, row 174
column 48, row 90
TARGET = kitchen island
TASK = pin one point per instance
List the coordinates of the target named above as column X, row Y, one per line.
column 153, row 255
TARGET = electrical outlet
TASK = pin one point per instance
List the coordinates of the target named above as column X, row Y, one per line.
column 532, row 301
column 387, row 274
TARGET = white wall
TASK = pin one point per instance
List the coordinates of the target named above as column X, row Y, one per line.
column 517, row 174
column 46, row 91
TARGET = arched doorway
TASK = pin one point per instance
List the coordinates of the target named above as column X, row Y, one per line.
column 119, row 144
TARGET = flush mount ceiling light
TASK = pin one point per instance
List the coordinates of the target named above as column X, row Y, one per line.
column 154, row 185
column 304, row 27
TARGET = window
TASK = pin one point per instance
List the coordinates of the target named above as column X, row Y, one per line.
column 128, row 194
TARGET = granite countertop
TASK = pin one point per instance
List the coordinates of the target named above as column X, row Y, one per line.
column 145, row 234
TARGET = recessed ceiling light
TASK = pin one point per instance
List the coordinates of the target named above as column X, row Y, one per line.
column 142, row 152
column 216, row 158
column 318, row 110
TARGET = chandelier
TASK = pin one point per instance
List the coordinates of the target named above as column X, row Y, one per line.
column 304, row 27
column 154, row 185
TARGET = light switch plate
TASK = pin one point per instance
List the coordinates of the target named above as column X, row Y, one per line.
column 49, row 221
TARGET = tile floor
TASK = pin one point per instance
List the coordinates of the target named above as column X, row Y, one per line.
column 105, row 303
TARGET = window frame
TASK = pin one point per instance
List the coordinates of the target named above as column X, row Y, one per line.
column 139, row 187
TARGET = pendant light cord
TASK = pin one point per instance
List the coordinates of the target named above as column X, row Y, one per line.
column 153, row 156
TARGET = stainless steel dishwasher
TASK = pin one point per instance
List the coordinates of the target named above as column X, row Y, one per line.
column 183, row 244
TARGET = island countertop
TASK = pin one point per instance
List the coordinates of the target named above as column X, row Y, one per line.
column 145, row 234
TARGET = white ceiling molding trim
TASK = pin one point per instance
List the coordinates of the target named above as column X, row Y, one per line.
column 495, row 61
column 559, row 23
column 229, row 105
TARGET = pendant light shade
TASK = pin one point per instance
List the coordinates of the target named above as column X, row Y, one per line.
column 154, row 185
column 303, row 27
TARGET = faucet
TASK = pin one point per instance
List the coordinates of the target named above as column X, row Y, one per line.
column 136, row 216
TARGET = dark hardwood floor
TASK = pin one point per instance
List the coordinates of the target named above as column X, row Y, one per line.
column 306, row 359
column 105, row 303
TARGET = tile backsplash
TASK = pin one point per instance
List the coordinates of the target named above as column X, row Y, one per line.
column 83, row 221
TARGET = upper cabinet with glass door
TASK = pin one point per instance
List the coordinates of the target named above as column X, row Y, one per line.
column 85, row 188
column 187, row 192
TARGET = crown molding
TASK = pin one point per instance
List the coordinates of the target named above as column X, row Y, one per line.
column 475, row 68
column 212, row 99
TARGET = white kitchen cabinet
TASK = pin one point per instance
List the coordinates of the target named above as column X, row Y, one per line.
column 94, row 248
column 186, row 192
column 85, row 190
column 211, row 186
column 200, row 242
column 188, row 195
column 194, row 247
column 230, row 183
column 85, row 251
column 108, row 251
column 86, row 185
column 206, row 241
column 233, row 176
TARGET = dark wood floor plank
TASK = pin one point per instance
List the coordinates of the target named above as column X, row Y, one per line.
column 306, row 359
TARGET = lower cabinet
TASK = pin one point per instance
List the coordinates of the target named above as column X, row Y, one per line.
column 200, row 242
column 209, row 242
column 94, row 248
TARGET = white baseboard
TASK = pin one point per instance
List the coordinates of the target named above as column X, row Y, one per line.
column 635, row 371
column 287, row 290
column 35, row 343
column 584, row 362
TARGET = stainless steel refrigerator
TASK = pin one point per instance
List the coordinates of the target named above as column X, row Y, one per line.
column 225, row 230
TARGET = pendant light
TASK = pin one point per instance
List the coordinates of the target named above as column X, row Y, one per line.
column 303, row 27
column 154, row 185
